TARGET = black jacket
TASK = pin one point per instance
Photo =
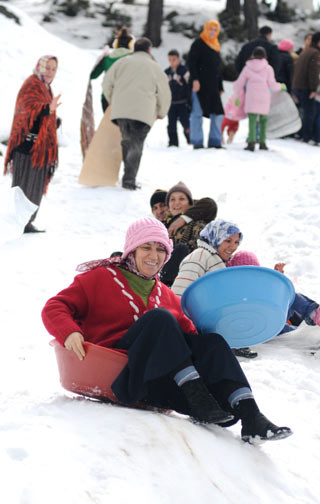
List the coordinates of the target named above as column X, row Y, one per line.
column 178, row 82
column 205, row 66
column 285, row 69
column 247, row 50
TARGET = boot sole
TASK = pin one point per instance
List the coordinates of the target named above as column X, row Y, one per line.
column 259, row 439
column 218, row 420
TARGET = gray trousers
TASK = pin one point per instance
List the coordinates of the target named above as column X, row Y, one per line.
column 133, row 136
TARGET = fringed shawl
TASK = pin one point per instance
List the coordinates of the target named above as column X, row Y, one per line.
column 32, row 97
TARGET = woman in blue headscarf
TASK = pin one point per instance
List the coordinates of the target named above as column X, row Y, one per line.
column 218, row 241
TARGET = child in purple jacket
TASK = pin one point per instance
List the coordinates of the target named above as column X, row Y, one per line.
column 257, row 79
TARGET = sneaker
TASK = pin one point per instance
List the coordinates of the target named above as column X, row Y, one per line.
column 203, row 406
column 30, row 228
column 255, row 426
column 245, row 352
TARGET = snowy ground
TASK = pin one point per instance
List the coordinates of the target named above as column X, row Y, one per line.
column 56, row 447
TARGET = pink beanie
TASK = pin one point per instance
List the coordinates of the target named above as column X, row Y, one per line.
column 147, row 229
column 285, row 45
column 243, row 258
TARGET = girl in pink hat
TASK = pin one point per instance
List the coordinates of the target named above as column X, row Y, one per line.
column 120, row 303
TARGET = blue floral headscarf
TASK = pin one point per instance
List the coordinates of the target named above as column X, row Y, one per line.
column 219, row 230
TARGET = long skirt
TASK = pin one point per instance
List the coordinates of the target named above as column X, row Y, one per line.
column 157, row 347
column 31, row 180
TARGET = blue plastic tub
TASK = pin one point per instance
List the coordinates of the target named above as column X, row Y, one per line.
column 247, row 305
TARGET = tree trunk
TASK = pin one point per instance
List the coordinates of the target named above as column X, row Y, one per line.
column 233, row 6
column 154, row 22
column 251, row 18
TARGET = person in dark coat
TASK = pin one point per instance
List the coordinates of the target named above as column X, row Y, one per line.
column 263, row 40
column 120, row 303
column 206, row 80
column 178, row 76
column 306, row 79
column 285, row 68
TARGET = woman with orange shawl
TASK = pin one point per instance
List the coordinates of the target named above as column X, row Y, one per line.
column 206, row 80
column 32, row 152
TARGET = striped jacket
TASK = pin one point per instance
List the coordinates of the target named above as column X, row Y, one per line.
column 202, row 260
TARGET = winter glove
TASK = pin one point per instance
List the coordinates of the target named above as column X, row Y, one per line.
column 283, row 87
column 237, row 102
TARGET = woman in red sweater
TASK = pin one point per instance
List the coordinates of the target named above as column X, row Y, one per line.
column 120, row 303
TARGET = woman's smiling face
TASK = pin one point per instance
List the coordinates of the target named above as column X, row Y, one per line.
column 150, row 258
column 228, row 247
column 178, row 203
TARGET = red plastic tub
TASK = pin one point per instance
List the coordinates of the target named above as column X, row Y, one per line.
column 94, row 375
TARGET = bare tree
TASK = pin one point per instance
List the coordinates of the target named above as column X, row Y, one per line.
column 154, row 22
column 250, row 10
column 233, row 6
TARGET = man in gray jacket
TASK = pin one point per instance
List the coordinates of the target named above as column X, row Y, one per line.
column 138, row 92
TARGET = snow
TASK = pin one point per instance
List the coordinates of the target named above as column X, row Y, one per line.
column 57, row 447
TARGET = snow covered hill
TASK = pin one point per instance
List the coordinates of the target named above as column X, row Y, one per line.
column 56, row 447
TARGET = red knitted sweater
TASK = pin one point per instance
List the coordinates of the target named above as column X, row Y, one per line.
column 101, row 305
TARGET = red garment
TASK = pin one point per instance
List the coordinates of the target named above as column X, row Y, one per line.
column 33, row 96
column 101, row 306
column 230, row 124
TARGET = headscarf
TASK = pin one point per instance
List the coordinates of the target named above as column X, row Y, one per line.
column 204, row 35
column 40, row 68
column 128, row 264
column 219, row 230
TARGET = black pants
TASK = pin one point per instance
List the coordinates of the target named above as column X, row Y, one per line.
column 133, row 136
column 157, row 347
column 178, row 112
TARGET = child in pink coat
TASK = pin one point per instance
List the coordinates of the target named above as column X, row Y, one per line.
column 232, row 115
column 257, row 78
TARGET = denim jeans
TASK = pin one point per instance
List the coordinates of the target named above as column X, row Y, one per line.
column 300, row 311
column 308, row 109
column 196, row 132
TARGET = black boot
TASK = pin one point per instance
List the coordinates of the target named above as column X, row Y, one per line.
column 203, row 406
column 30, row 228
column 250, row 146
column 256, row 425
column 262, row 146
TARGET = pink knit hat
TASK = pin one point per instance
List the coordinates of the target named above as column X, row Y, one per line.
column 147, row 229
column 285, row 45
column 243, row 258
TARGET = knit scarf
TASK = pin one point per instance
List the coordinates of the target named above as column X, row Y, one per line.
column 128, row 264
column 213, row 43
column 32, row 97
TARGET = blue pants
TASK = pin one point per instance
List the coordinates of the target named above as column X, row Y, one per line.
column 300, row 311
column 178, row 112
column 196, row 132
